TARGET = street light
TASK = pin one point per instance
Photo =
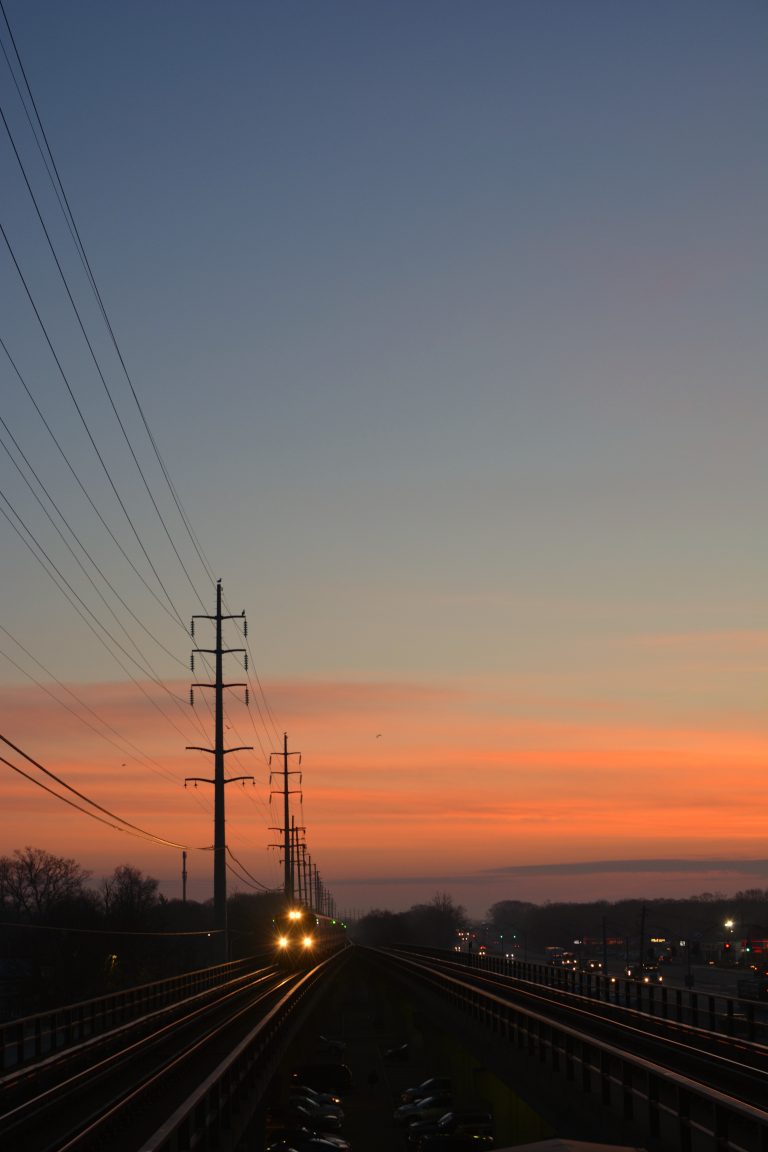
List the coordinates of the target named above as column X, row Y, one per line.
column 729, row 925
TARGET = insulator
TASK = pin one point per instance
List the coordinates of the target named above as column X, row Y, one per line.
column 192, row 628
column 192, row 661
column 247, row 697
column 192, row 697
column 245, row 627
column 245, row 660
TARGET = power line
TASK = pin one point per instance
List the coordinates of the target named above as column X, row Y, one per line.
column 75, row 233
column 125, row 826
column 95, row 360
column 60, row 577
column 81, row 485
column 85, row 424
column 85, row 551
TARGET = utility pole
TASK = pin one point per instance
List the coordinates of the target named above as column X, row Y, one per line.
column 286, row 827
column 298, row 852
column 184, row 877
column 219, row 752
column 304, row 868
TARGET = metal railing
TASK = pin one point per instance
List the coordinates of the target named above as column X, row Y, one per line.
column 676, row 1112
column 31, row 1038
column 219, row 1111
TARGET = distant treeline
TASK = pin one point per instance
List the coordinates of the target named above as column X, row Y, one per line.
column 529, row 929
column 63, row 940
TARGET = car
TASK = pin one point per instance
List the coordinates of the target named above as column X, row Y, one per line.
column 335, row 1078
column 298, row 1099
column 591, row 966
column 425, row 1135
column 305, row 1140
column 428, row 1108
column 426, row 1088
column 645, row 973
column 307, row 1093
column 320, row 1117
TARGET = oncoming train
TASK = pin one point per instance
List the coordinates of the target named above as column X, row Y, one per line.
column 304, row 937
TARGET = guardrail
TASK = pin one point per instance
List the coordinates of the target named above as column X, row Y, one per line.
column 717, row 1012
column 31, row 1038
column 676, row 1112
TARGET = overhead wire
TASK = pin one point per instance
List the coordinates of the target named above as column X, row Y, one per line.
column 74, row 231
column 69, row 217
column 72, row 225
column 134, row 750
column 47, row 564
column 117, row 415
column 85, row 551
column 128, row 826
column 79, row 482
column 85, row 424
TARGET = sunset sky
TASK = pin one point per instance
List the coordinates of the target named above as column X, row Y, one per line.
column 448, row 321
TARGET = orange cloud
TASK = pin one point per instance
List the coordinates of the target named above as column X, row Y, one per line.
column 397, row 778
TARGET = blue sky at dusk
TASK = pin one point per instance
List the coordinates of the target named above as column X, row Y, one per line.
column 449, row 321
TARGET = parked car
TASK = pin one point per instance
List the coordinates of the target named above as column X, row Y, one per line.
column 426, row 1088
column 305, row 1140
column 426, row 1135
column 430, row 1108
column 304, row 1091
column 320, row 1117
column 335, row 1078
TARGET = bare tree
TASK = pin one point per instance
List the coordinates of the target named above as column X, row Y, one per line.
column 34, row 883
column 129, row 896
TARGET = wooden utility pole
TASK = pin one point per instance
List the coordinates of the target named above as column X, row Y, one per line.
column 219, row 752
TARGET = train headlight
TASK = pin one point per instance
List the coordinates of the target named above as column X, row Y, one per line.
column 282, row 942
column 308, row 941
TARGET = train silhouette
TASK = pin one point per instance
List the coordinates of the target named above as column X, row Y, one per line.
column 304, row 938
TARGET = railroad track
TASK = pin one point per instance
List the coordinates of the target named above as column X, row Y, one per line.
column 116, row 1088
column 727, row 1064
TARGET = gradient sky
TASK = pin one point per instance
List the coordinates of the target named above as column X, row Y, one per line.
column 449, row 321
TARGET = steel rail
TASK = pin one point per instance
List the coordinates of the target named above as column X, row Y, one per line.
column 677, row 1111
column 744, row 1063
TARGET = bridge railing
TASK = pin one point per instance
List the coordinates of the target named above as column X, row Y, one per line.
column 677, row 1112
column 716, row 1012
column 31, row 1038
column 219, row 1111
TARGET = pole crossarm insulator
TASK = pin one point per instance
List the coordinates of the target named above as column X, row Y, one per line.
column 239, row 684
column 212, row 651
column 202, row 616
column 197, row 780
column 224, row 751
